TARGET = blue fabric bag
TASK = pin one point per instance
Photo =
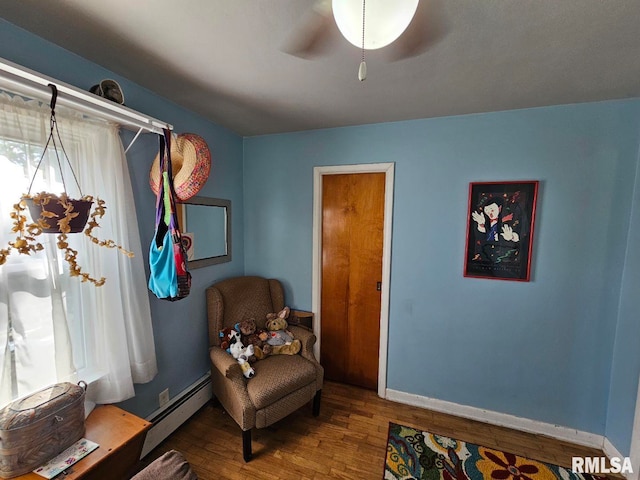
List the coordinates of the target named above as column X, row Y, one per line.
column 169, row 278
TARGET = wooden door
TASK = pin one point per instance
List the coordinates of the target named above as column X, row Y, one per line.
column 352, row 239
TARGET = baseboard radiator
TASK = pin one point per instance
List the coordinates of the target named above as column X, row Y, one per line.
column 168, row 418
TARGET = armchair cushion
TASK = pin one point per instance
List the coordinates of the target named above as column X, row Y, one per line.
column 277, row 376
column 171, row 466
column 236, row 299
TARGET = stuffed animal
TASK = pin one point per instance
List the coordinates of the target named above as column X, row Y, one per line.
column 251, row 335
column 238, row 350
column 281, row 339
column 247, row 369
column 242, row 354
column 227, row 336
column 232, row 343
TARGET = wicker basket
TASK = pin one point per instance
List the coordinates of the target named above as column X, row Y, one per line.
column 36, row 428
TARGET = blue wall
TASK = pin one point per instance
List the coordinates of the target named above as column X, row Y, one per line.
column 560, row 349
column 540, row 350
column 180, row 328
column 626, row 358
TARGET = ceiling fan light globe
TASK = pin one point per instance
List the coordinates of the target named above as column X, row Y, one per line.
column 385, row 20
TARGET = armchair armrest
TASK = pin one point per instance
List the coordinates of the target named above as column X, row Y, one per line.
column 225, row 363
column 307, row 339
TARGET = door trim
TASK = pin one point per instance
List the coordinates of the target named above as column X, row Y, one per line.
column 635, row 441
column 316, row 284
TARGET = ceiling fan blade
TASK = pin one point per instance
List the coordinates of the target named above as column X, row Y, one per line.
column 311, row 35
column 427, row 28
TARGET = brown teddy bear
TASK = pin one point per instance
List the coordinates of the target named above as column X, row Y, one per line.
column 251, row 335
column 281, row 339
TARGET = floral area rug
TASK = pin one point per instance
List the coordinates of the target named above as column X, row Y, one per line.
column 413, row 454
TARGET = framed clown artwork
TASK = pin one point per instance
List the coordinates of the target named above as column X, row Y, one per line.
column 500, row 225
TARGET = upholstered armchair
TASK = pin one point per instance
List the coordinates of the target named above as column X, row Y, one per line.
column 282, row 383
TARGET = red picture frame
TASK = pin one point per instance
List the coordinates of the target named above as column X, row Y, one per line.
column 500, row 224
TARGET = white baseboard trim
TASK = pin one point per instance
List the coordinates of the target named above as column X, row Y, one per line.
column 500, row 419
column 167, row 419
column 611, row 451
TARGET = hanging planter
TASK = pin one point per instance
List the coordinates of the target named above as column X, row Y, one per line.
column 61, row 213
column 57, row 214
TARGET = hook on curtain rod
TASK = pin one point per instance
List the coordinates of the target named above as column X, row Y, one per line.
column 54, row 97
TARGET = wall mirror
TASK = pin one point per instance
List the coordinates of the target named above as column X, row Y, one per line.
column 205, row 224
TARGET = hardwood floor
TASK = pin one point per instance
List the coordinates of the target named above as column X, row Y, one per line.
column 347, row 440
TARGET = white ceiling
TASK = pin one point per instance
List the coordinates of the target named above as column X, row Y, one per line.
column 224, row 58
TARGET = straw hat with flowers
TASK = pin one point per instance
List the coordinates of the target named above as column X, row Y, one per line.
column 190, row 164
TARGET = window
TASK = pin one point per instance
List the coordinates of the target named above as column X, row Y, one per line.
column 54, row 327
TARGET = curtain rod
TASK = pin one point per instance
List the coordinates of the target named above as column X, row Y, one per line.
column 23, row 81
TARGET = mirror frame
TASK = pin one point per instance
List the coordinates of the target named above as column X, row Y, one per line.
column 211, row 202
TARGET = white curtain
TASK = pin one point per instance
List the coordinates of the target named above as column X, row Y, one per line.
column 54, row 327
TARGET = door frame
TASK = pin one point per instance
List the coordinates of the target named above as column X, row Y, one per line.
column 316, row 286
column 634, row 453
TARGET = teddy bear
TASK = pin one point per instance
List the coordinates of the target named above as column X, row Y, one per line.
column 231, row 342
column 281, row 339
column 251, row 335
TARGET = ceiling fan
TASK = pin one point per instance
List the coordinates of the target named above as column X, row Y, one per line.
column 405, row 28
